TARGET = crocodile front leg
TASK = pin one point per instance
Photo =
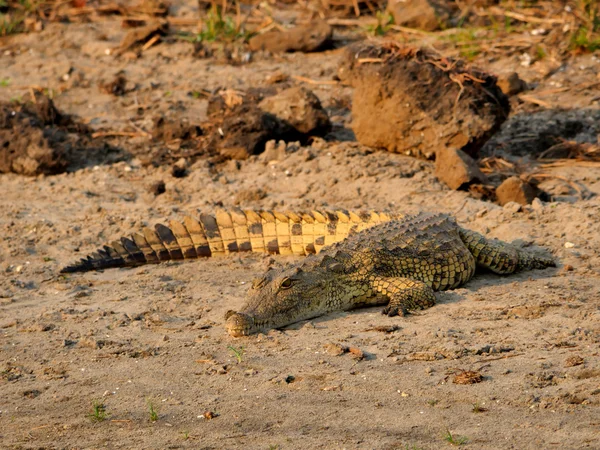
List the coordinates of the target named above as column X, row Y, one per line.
column 405, row 294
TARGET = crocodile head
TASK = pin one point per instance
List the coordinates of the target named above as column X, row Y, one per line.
column 279, row 298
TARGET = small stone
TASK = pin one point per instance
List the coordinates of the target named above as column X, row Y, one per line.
column 428, row 15
column 567, row 268
column 277, row 77
column 299, row 108
column 157, row 187
column 537, row 205
column 208, row 415
column 511, row 84
column 306, row 38
column 335, row 349
column 513, row 207
column 274, row 151
column 457, row 169
column 573, row 361
column 569, row 245
column 514, row 189
column 356, row 353
column 179, row 169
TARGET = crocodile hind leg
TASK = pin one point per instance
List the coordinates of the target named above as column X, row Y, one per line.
column 501, row 257
column 404, row 294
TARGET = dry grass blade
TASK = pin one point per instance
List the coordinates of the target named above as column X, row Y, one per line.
column 571, row 150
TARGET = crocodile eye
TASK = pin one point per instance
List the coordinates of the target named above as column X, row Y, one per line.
column 286, row 283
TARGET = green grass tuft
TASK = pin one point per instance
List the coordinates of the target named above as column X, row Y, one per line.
column 455, row 439
column 238, row 353
column 152, row 410
column 217, row 27
column 98, row 413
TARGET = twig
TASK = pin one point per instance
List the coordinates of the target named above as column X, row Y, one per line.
column 369, row 60
column 150, row 43
column 493, row 11
column 117, row 133
column 535, row 101
column 498, row 357
column 310, row 81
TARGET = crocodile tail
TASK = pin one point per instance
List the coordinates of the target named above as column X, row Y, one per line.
column 233, row 231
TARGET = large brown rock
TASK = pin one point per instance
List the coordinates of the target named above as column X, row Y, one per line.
column 305, row 38
column 457, row 169
column 514, row 189
column 413, row 101
column 299, row 108
column 428, row 15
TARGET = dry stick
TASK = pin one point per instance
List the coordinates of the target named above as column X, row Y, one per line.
column 535, row 101
column 310, row 81
column 522, row 17
column 570, row 162
column 369, row 60
column 356, row 8
column 150, row 43
column 117, row 133
column 498, row 357
column 182, row 21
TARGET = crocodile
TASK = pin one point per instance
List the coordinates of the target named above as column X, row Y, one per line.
column 353, row 259
column 399, row 263
column 232, row 231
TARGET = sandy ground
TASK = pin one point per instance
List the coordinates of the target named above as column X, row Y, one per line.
column 154, row 335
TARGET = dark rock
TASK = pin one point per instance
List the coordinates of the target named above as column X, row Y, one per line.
column 157, row 187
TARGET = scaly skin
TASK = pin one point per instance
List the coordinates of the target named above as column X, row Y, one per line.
column 399, row 263
column 225, row 232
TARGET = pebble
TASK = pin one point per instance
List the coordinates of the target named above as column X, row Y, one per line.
column 537, row 205
column 513, row 207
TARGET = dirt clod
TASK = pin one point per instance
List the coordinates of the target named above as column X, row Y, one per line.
column 457, row 169
column 244, row 131
column 118, row 85
column 413, row 101
column 306, row 38
column 157, row 187
column 299, row 108
column 36, row 138
column 514, row 189
column 335, row 349
column 573, row 361
column 467, row 377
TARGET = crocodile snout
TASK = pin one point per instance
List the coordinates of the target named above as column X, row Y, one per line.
column 239, row 324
